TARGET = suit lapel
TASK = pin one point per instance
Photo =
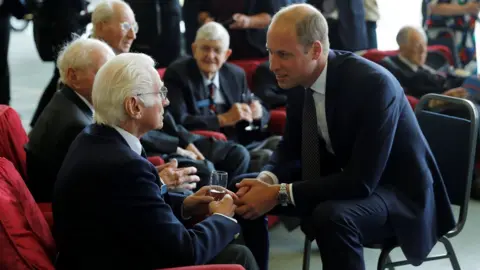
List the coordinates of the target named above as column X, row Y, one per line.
column 225, row 89
column 73, row 97
column 330, row 93
column 197, row 81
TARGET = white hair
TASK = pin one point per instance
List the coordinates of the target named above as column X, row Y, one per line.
column 104, row 12
column 124, row 76
column 214, row 31
column 404, row 34
column 78, row 54
column 310, row 27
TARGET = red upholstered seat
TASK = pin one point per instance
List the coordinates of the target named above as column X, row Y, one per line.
column 413, row 101
column 207, row 133
column 161, row 72
column 25, row 238
column 12, row 139
column 249, row 66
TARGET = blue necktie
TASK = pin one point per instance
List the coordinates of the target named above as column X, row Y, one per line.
column 310, row 139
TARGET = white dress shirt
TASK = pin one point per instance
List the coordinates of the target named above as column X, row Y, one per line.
column 319, row 89
column 217, row 95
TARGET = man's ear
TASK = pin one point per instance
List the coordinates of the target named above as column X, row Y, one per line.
column 317, row 50
column 194, row 46
column 71, row 76
column 133, row 108
column 227, row 54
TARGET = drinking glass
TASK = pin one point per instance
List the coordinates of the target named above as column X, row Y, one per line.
column 218, row 180
column 248, row 98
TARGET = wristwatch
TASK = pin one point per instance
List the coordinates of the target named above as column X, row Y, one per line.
column 282, row 195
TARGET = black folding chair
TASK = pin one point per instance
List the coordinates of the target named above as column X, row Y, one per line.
column 452, row 141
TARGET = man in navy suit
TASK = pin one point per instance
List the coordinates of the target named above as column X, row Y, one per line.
column 353, row 160
column 111, row 207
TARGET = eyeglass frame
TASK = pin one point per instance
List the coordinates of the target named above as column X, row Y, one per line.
column 126, row 26
column 162, row 92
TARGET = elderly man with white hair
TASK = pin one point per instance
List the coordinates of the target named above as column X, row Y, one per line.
column 208, row 93
column 114, row 22
column 111, row 208
column 66, row 115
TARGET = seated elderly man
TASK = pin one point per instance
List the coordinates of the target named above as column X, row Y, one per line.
column 67, row 114
column 114, row 22
column 110, row 205
column 208, row 93
column 409, row 67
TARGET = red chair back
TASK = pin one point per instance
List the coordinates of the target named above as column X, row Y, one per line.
column 25, row 238
column 249, row 66
column 413, row 101
column 161, row 72
column 12, row 139
column 376, row 56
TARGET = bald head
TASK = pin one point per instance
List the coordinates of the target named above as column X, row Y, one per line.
column 114, row 22
column 309, row 25
column 412, row 43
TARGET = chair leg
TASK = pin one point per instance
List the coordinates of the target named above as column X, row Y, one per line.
column 307, row 251
column 451, row 253
column 384, row 258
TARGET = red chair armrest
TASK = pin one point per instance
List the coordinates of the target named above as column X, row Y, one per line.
column 277, row 121
column 207, row 133
column 156, row 161
column 209, row 267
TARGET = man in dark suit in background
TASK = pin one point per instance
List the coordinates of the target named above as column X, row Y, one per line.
column 208, row 93
column 18, row 9
column 410, row 70
column 110, row 206
column 265, row 86
column 353, row 160
column 69, row 112
column 55, row 23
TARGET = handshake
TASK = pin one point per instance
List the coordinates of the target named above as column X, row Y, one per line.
column 253, row 199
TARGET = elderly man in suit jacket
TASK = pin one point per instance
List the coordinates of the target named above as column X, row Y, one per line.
column 208, row 93
column 110, row 206
column 409, row 67
column 353, row 159
column 68, row 113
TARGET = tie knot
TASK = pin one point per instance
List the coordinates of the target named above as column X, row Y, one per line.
column 211, row 86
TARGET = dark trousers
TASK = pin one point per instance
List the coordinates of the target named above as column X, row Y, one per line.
column 341, row 229
column 4, row 70
column 46, row 96
column 226, row 156
column 236, row 254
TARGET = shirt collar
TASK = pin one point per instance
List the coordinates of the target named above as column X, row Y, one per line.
column 320, row 84
column 407, row 62
column 215, row 80
column 85, row 101
column 132, row 141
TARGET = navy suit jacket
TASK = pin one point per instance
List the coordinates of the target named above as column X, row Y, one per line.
column 189, row 96
column 110, row 211
column 379, row 148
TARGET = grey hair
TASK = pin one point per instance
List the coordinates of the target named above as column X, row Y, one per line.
column 214, row 31
column 78, row 54
column 310, row 28
column 124, row 76
column 404, row 34
column 104, row 12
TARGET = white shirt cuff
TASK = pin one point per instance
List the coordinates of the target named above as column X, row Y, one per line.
column 232, row 219
column 271, row 175
column 291, row 194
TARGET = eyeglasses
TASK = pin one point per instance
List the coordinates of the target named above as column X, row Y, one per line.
column 126, row 26
column 162, row 93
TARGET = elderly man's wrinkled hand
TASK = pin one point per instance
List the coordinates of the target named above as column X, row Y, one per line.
column 174, row 177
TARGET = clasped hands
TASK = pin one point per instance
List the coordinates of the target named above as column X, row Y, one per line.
column 253, row 199
column 241, row 111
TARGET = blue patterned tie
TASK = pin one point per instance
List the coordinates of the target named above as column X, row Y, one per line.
column 310, row 139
